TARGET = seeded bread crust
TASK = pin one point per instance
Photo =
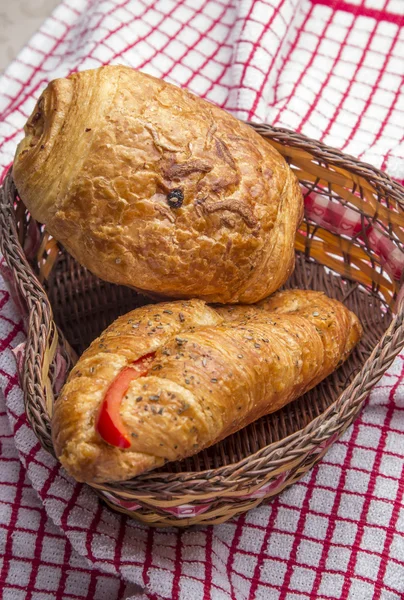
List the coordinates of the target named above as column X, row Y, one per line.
column 215, row 371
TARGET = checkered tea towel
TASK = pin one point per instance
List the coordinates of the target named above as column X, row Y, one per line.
column 333, row 70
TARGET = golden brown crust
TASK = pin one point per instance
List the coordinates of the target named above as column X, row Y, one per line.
column 215, row 371
column 103, row 149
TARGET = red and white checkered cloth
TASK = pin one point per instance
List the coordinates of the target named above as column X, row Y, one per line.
column 334, row 70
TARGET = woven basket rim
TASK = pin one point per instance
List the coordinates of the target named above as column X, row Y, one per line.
column 361, row 168
column 378, row 362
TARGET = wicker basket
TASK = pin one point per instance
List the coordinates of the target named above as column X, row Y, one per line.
column 350, row 245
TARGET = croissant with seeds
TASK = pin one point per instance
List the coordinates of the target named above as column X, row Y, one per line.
column 167, row 380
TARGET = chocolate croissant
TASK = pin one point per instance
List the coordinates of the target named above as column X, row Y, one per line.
column 167, row 380
column 149, row 186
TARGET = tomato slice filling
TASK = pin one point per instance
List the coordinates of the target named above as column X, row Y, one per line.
column 109, row 423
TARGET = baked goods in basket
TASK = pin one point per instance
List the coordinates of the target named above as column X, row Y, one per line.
column 149, row 186
column 165, row 381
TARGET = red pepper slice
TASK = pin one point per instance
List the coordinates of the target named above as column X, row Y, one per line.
column 109, row 423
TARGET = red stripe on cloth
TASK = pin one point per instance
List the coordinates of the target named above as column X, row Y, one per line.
column 5, row 299
column 208, row 565
column 184, row 24
column 398, row 503
column 362, row 11
column 386, row 119
column 352, row 81
column 309, row 64
column 210, row 57
column 304, row 511
column 340, row 489
column 91, row 529
column 149, row 556
column 287, row 56
column 103, row 16
column 198, row 39
column 89, row 536
column 189, row 24
column 324, row 85
column 256, row 579
column 37, row 560
column 177, row 567
column 369, row 496
column 12, row 382
column 63, row 578
column 8, row 549
column 269, row 71
column 233, row 548
column 256, row 43
column 142, row 38
column 374, row 88
column 6, row 342
column 119, row 542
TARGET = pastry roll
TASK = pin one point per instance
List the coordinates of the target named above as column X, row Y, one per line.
column 149, row 186
column 167, row 380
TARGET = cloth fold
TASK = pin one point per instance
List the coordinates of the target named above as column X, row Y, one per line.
column 335, row 71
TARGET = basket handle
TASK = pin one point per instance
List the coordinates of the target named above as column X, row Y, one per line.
column 42, row 335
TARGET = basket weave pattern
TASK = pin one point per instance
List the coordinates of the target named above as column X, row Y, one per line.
column 350, row 245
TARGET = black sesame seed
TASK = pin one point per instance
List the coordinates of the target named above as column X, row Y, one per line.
column 183, row 408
